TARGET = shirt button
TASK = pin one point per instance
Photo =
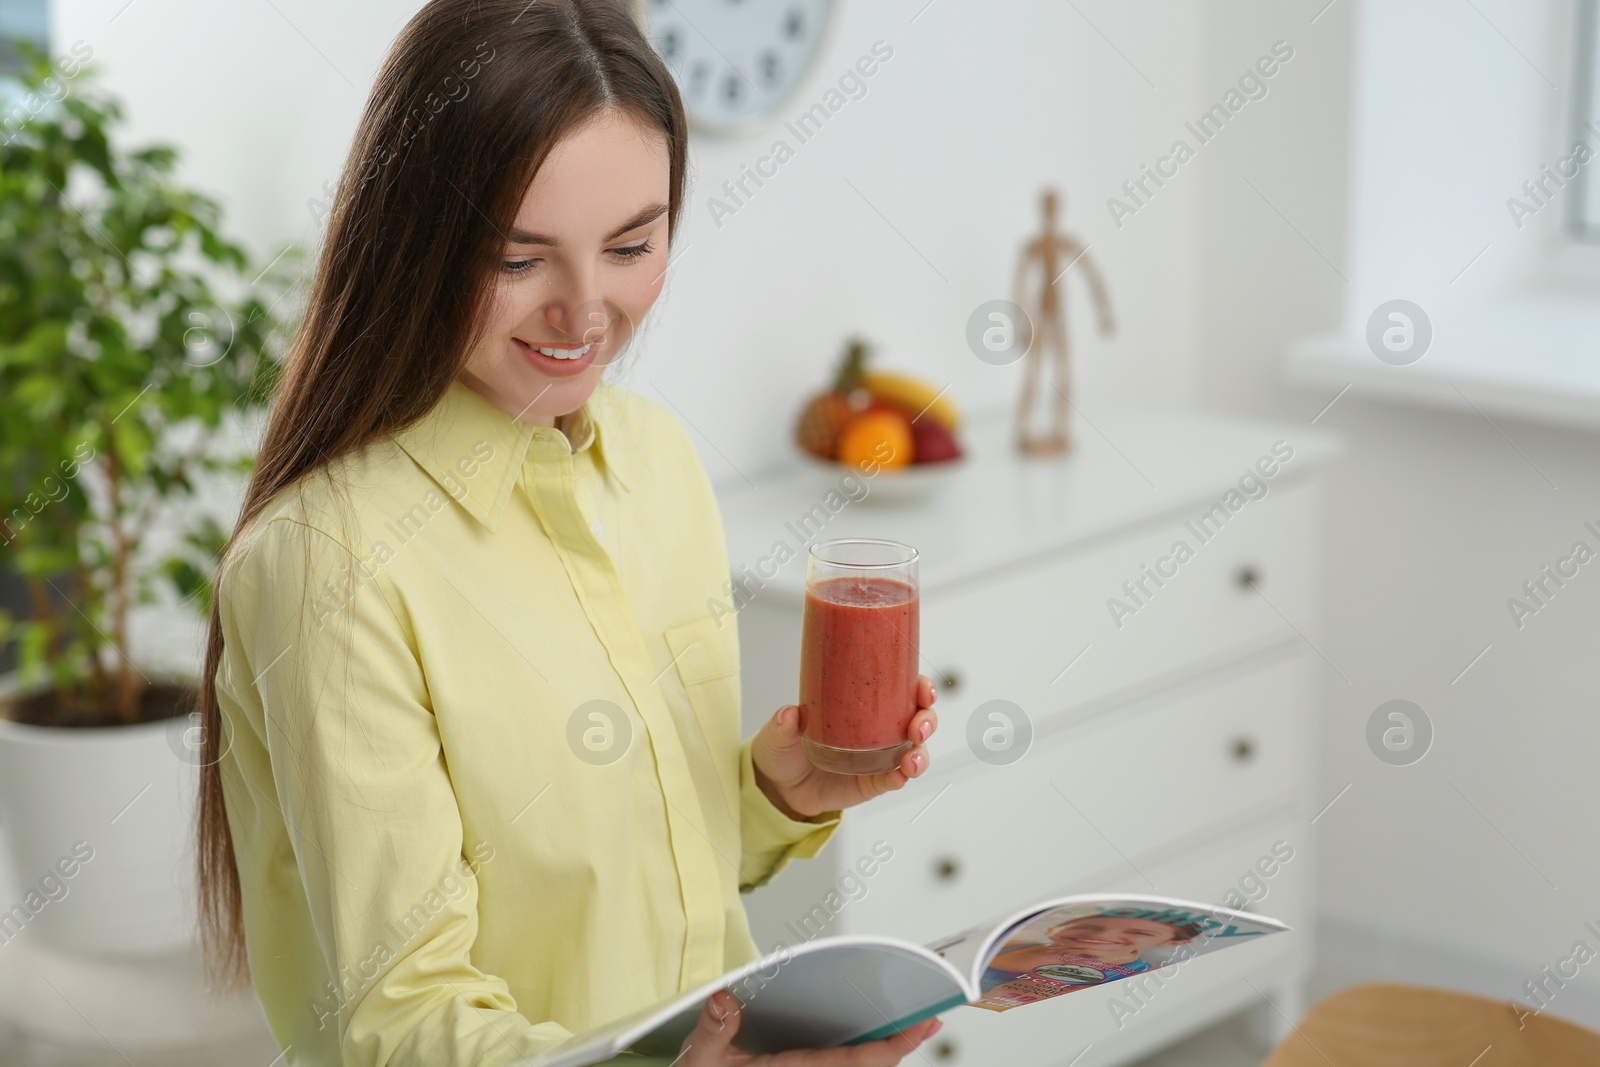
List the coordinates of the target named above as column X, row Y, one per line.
column 596, row 529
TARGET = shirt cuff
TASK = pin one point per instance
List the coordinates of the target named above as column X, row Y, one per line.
column 769, row 837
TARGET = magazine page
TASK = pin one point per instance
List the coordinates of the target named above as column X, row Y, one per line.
column 827, row 992
column 1080, row 942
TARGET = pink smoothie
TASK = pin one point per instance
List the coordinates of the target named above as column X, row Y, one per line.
column 858, row 662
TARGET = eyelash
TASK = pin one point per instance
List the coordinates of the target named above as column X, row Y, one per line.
column 521, row 266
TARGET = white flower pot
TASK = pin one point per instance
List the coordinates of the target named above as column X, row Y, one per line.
column 99, row 826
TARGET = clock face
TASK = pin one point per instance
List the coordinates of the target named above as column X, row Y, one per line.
column 736, row 61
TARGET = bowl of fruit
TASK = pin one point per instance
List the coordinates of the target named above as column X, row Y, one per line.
column 892, row 428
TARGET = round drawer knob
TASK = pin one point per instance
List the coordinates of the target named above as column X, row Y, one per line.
column 949, row 680
column 947, row 868
column 1243, row 749
column 1247, row 577
column 944, row 1049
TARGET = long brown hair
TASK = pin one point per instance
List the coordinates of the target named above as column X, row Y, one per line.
column 472, row 98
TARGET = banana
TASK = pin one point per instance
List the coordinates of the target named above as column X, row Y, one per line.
column 914, row 395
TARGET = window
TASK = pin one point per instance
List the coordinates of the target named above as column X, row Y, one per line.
column 22, row 20
column 1583, row 205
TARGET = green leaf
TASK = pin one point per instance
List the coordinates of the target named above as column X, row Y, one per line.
column 188, row 580
column 40, row 397
column 31, row 639
column 131, row 441
column 45, row 341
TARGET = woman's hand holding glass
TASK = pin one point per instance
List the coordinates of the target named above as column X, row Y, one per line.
column 800, row 790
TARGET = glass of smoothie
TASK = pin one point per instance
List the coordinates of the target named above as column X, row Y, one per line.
column 858, row 654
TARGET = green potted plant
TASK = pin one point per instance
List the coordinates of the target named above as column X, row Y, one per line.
column 123, row 369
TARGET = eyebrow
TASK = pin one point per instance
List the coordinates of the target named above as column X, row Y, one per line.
column 643, row 216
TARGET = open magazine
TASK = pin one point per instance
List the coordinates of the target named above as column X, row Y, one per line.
column 845, row 990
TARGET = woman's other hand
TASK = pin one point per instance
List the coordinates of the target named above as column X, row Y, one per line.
column 711, row 1044
column 800, row 790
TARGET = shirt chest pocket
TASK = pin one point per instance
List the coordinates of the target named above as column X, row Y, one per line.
column 706, row 659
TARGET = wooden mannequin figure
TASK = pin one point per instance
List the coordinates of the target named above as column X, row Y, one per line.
column 1055, row 253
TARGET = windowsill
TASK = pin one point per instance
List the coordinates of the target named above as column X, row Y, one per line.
column 1534, row 357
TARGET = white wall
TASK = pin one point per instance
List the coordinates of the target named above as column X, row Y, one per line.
column 979, row 107
column 1435, row 519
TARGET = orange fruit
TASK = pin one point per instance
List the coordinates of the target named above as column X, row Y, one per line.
column 878, row 435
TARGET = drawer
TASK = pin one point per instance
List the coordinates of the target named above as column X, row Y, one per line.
column 1153, row 774
column 1133, row 784
column 1190, row 997
column 1014, row 637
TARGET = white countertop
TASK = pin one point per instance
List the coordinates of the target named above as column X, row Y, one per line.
column 1000, row 505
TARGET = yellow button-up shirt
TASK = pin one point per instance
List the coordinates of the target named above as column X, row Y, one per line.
column 483, row 769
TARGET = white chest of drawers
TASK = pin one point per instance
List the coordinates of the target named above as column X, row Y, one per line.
column 1171, row 735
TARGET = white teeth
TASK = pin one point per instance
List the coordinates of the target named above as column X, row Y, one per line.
column 563, row 353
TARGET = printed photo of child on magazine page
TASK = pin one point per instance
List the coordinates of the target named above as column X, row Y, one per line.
column 1073, row 948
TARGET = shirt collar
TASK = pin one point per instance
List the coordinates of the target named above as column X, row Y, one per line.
column 474, row 451
column 594, row 425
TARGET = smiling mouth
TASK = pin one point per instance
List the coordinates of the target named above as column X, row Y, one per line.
column 561, row 351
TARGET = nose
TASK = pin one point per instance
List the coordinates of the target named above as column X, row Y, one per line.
column 580, row 313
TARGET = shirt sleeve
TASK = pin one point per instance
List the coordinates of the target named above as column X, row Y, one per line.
column 358, row 773
column 769, row 838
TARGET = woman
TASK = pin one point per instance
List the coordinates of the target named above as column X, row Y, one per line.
column 473, row 776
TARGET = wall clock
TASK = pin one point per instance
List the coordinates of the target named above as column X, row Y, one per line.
column 736, row 62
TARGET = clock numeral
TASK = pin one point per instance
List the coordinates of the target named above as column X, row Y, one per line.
column 769, row 44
